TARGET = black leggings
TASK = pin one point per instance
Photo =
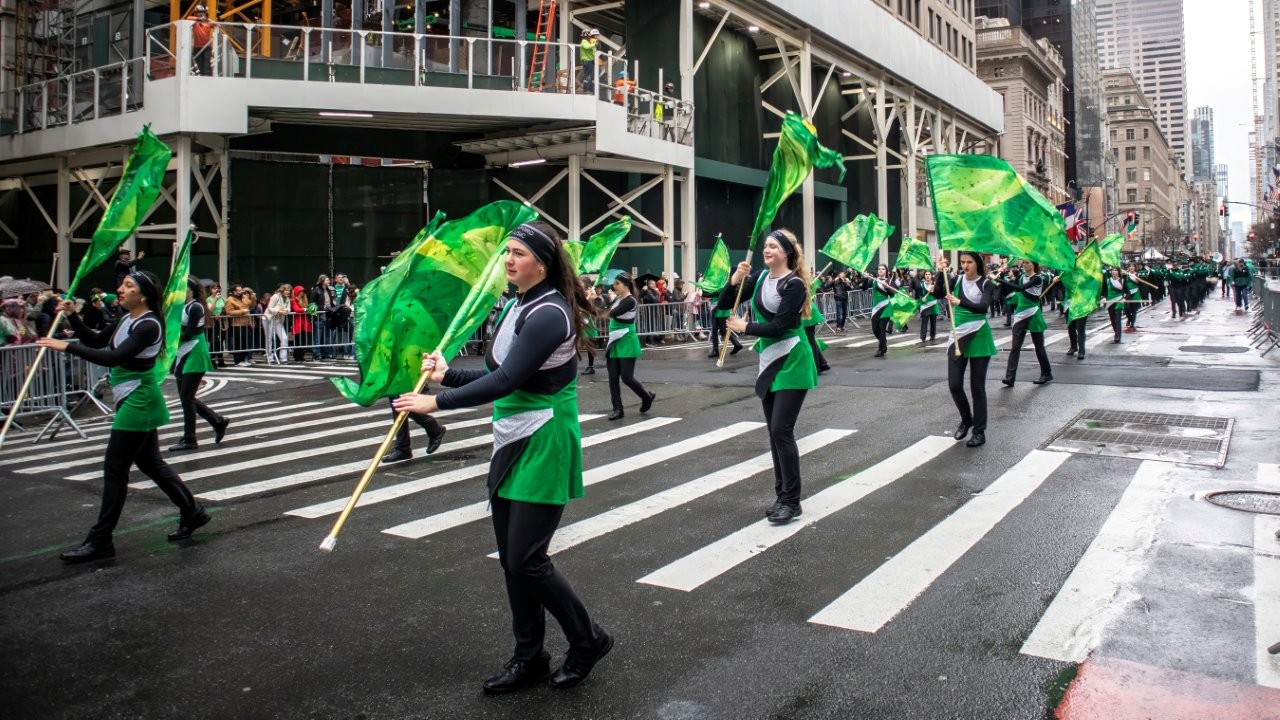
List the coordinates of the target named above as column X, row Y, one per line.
column 811, row 333
column 534, row 586
column 880, row 326
column 1015, row 350
column 1075, row 331
column 719, row 326
column 624, row 369
column 188, row 385
column 1113, row 313
column 977, row 387
column 126, row 448
column 426, row 422
column 930, row 322
column 781, row 409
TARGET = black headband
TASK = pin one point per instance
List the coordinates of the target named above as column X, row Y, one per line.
column 148, row 289
column 543, row 247
column 787, row 246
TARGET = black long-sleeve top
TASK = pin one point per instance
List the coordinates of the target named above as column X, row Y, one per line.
column 1023, row 285
column 794, row 297
column 543, row 329
column 194, row 321
column 622, row 307
column 95, row 345
column 988, row 292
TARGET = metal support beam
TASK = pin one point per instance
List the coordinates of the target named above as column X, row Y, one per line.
column 224, row 236
column 882, row 172
column 63, row 214
column 668, row 220
column 688, row 186
column 575, row 197
column 182, row 189
column 805, row 97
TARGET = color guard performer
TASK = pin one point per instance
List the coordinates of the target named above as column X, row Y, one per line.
column 970, row 300
column 1028, row 317
column 192, row 363
column 780, row 301
column 624, row 347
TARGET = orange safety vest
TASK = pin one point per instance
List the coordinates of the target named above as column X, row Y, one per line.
column 621, row 88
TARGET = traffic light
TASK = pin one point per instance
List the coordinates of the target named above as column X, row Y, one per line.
column 1130, row 218
column 1222, row 210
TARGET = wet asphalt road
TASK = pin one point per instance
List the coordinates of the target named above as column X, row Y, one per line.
column 249, row 620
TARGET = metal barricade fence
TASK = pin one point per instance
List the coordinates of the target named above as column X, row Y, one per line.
column 59, row 378
column 289, row 337
column 1265, row 330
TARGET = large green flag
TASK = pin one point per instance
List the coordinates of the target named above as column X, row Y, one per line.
column 433, row 299
column 174, row 299
column 901, row 307
column 797, row 154
column 981, row 204
column 574, row 248
column 600, row 248
column 139, row 186
column 716, row 276
column 857, row 243
column 914, row 255
column 1084, row 283
column 1111, row 248
column 407, row 254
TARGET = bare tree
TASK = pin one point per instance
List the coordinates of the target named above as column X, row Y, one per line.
column 1261, row 239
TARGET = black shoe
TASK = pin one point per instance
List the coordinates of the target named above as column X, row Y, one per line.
column 713, row 354
column 88, row 552
column 773, row 508
column 190, row 524
column 647, row 403
column 518, row 674
column 1072, row 351
column 589, row 371
column 576, row 668
column 1042, row 379
column 736, row 349
column 879, row 353
column 1080, row 356
column 1007, row 381
column 823, row 368
column 979, row 438
column 1008, row 324
column 784, row 514
column 433, row 443
column 397, row 455
column 220, row 429
column 183, row 445
column 961, row 430
column 1116, row 341
column 616, row 415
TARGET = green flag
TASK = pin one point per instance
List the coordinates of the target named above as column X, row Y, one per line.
column 716, row 276
column 1110, row 249
column 797, row 154
column 857, row 243
column 600, row 247
column 174, row 299
column 139, row 186
column 901, row 307
column 1084, row 283
column 981, row 204
column 574, row 248
column 433, row 299
column 914, row 255
column 406, row 254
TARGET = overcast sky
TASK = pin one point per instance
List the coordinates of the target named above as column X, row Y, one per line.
column 1218, row 75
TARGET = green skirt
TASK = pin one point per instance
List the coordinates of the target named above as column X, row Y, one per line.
column 194, row 359
column 142, row 407
column 537, row 454
column 973, row 333
column 623, row 341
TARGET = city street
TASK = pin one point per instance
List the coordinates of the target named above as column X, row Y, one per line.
column 924, row 580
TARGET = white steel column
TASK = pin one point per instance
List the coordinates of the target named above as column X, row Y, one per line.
column 575, row 197
column 669, row 221
column 182, row 189
column 882, row 162
column 63, row 219
column 688, row 188
column 809, row 228
column 912, row 131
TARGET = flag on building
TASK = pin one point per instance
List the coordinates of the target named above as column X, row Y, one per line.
column 433, row 299
column 1075, row 221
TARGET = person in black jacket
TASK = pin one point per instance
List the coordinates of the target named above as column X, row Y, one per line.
column 840, row 288
column 124, row 265
column 322, row 295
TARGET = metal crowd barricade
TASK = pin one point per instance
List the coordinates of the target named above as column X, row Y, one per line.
column 48, row 392
column 290, row 337
column 1265, row 330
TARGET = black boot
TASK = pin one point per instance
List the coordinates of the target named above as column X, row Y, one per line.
column 1044, row 378
column 617, row 414
column 89, row 551
column 197, row 519
column 1008, row 380
column 518, row 674
column 184, row 444
column 576, row 667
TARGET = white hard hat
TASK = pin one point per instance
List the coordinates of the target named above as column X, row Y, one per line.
column 594, row 32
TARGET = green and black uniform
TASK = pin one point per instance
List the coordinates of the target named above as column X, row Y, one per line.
column 1114, row 292
column 786, row 372
column 623, row 351
column 977, row 346
column 530, row 376
column 130, row 346
column 811, row 325
column 192, row 363
column 1028, row 317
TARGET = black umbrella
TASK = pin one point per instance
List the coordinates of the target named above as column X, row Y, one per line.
column 24, row 286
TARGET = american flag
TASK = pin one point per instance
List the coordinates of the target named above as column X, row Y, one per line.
column 1077, row 221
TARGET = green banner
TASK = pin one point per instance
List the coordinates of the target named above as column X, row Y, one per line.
column 857, row 243
column 716, row 276
column 174, row 299
column 797, row 154
column 1084, row 283
column 914, row 255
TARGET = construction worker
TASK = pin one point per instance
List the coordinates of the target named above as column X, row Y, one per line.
column 622, row 87
column 587, row 59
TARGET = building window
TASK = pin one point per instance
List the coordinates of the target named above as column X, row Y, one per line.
column 1146, row 174
column 1113, row 134
column 1131, row 175
column 1146, row 133
column 1146, row 152
column 1128, row 134
column 1131, row 195
column 1130, row 153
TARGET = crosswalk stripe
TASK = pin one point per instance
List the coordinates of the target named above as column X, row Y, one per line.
column 1054, row 338
column 877, row 599
column 257, row 381
column 343, row 431
column 644, row 508
column 287, row 371
column 1090, row 598
column 858, row 343
column 1266, row 582
column 693, row 570
column 904, row 343
column 226, row 403
column 400, row 490
column 244, row 376
column 85, row 444
column 93, row 457
column 478, row 511
column 331, row 471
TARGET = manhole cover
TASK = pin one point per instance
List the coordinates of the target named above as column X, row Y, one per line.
column 1254, row 501
column 1213, row 349
column 1195, row 439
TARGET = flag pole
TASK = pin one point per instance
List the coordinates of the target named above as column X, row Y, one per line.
column 331, row 540
column 946, row 284
column 724, row 346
